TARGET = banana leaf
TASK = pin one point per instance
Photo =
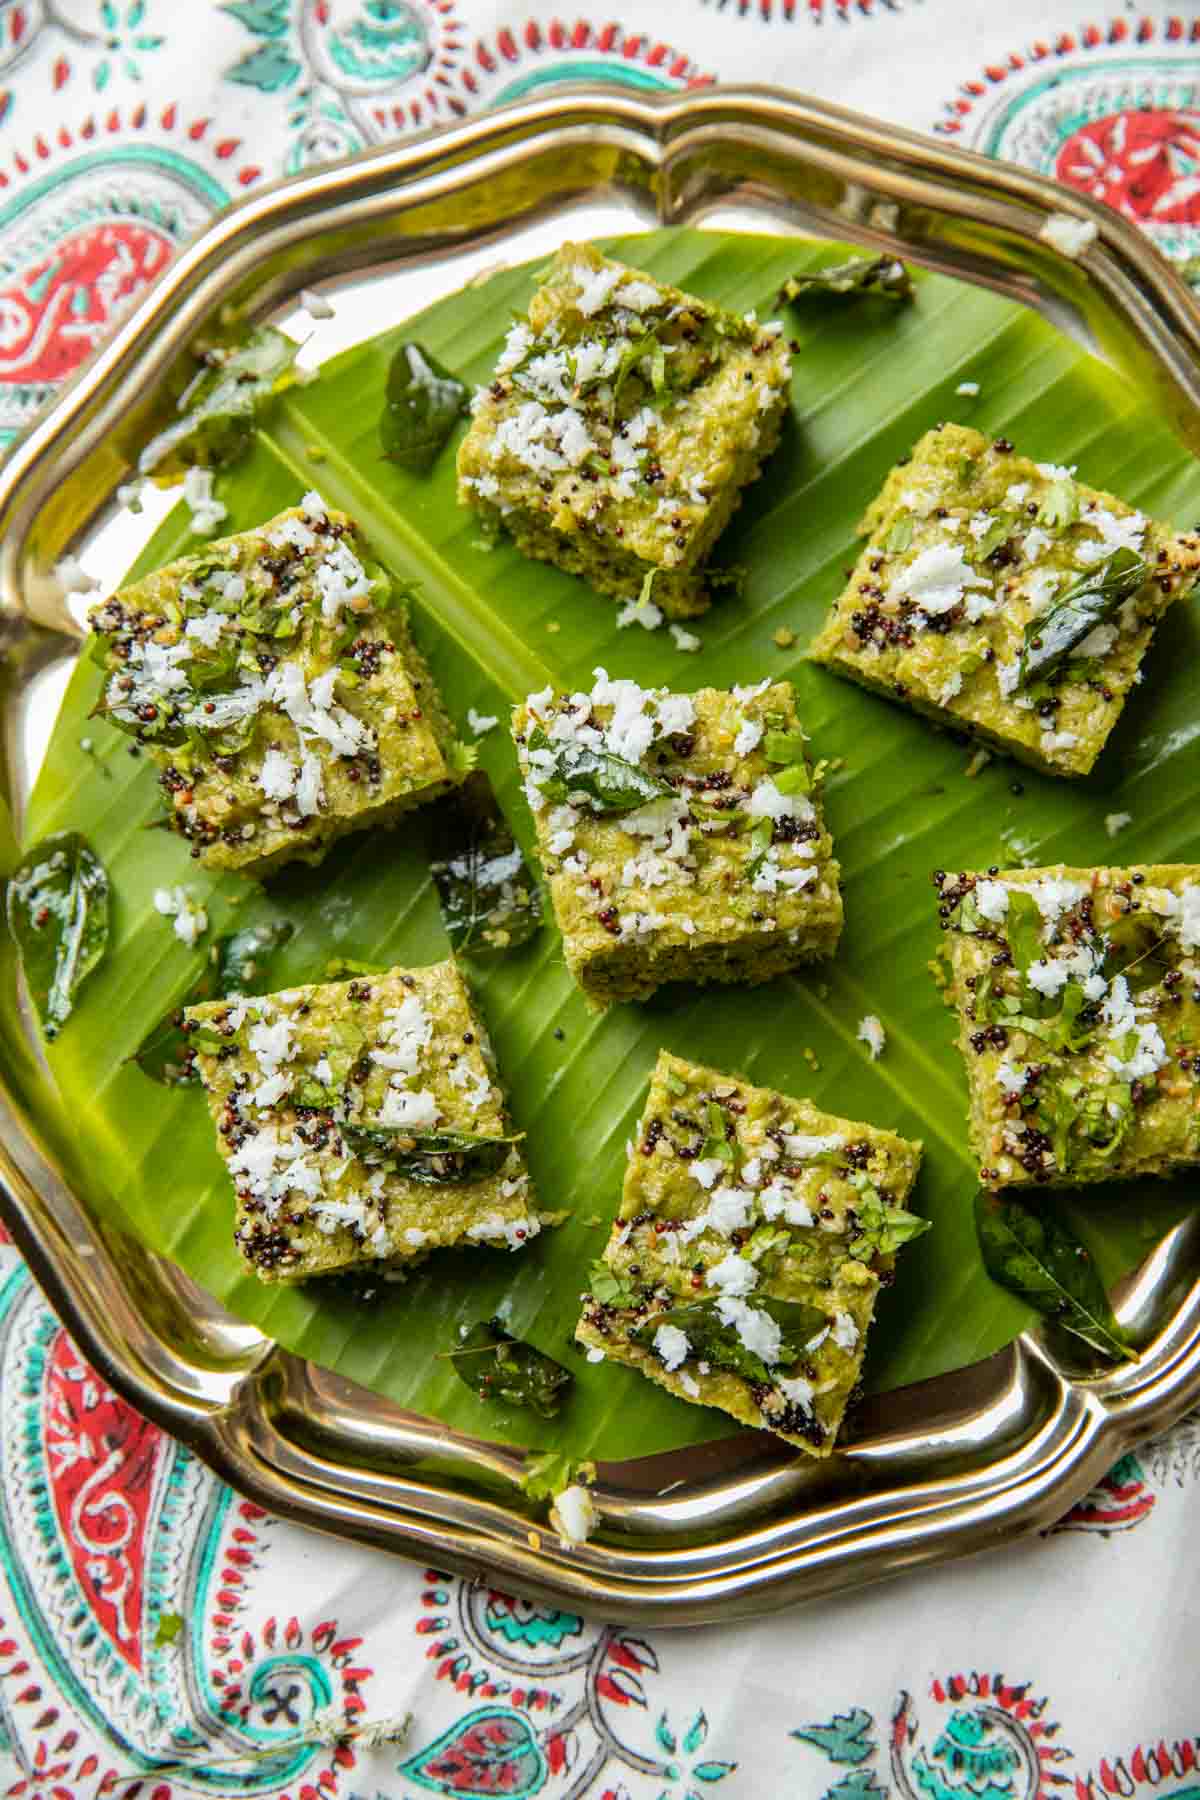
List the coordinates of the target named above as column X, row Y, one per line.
column 869, row 378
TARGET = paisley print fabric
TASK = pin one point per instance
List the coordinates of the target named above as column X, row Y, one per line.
column 162, row 1637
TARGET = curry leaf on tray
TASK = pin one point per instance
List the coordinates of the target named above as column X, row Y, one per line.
column 433, row 1158
column 609, row 782
column 58, row 913
column 1033, row 1254
column 489, row 899
column 424, row 403
column 711, row 1340
column 1091, row 601
column 500, row 1367
column 239, row 963
column 884, row 275
column 220, row 406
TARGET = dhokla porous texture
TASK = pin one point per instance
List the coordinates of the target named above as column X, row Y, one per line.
column 622, row 422
column 1078, row 998
column 361, row 1123
column 273, row 679
column 753, row 1236
column 976, row 562
column 681, row 835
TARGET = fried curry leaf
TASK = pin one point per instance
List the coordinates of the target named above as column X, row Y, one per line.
column 1034, row 1256
column 222, row 403
column 58, row 913
column 1092, row 601
column 861, row 275
column 237, row 964
column 609, row 782
column 711, row 1340
column 499, row 1367
column 424, row 403
column 489, row 899
column 435, row 1158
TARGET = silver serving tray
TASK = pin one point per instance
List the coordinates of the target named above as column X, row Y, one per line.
column 725, row 1530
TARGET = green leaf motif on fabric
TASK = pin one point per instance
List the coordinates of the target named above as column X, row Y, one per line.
column 858, row 1784
column 846, row 1738
column 385, row 45
column 492, row 1750
column 266, row 18
column 270, row 68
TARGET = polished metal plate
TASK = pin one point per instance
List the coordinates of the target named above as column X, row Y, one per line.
column 726, row 1529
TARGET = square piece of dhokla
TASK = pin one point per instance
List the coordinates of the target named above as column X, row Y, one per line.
column 1078, row 1000
column 1005, row 599
column 681, row 835
column 753, row 1236
column 623, row 420
column 273, row 679
column 361, row 1123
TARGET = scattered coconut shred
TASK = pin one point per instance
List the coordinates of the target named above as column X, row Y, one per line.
column 641, row 612
column 1114, row 822
column 574, row 1515
column 872, row 1034
column 72, row 577
column 191, row 920
column 684, row 640
column 206, row 510
column 1068, row 234
column 315, row 305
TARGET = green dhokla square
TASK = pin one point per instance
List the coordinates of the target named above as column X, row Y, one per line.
column 273, row 679
column 1078, row 998
column 361, row 1124
column 1006, row 599
column 623, row 420
column 753, row 1236
column 681, row 835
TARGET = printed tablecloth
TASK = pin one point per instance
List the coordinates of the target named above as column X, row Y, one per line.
column 161, row 1636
